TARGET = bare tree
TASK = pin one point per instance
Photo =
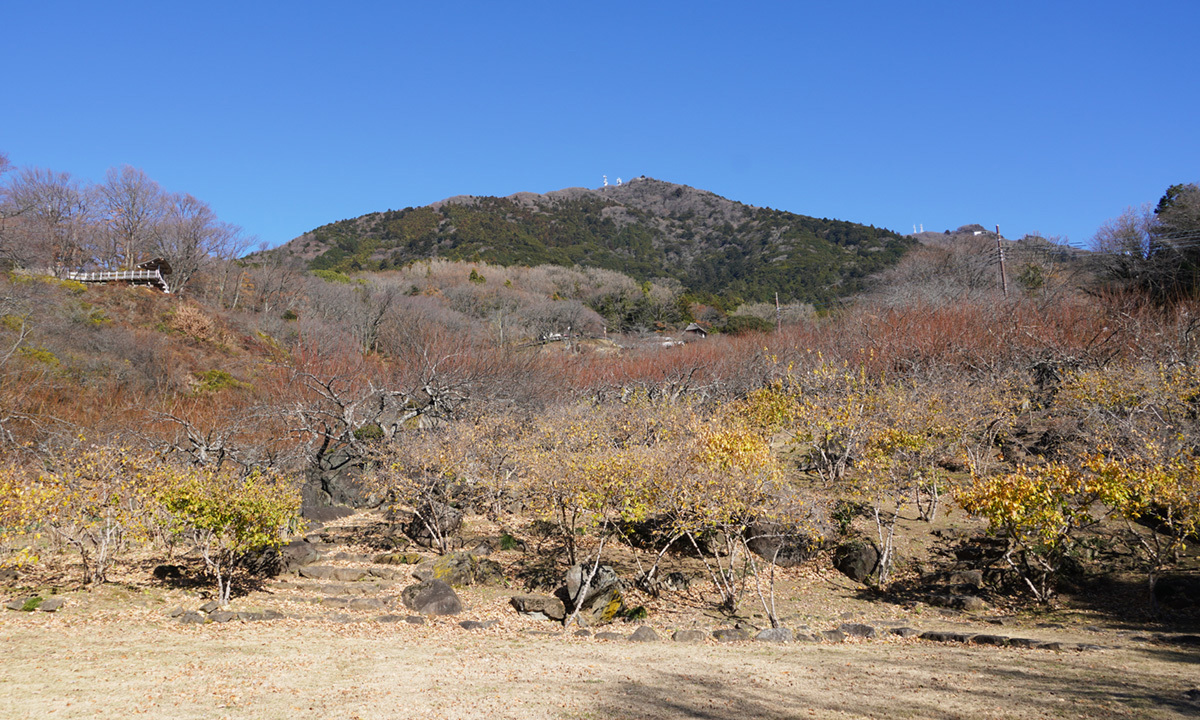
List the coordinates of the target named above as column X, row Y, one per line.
column 132, row 207
column 273, row 285
column 361, row 307
column 56, row 219
column 190, row 236
column 1155, row 250
column 10, row 212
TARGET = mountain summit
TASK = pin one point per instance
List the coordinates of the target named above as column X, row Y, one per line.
column 645, row 228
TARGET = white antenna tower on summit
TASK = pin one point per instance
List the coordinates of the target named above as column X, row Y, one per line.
column 605, row 181
column 618, row 182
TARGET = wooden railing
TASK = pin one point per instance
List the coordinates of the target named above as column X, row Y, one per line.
column 131, row 276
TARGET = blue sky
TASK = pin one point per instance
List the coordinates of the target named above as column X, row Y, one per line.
column 1046, row 117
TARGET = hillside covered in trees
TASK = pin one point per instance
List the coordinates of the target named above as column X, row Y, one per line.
column 647, row 229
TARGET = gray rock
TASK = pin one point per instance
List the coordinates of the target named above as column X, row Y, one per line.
column 392, row 619
column 905, row 632
column 776, row 635
column 398, row 558
column 210, row 606
column 477, row 625
column 967, row 603
column 26, row 603
column 432, row 520
column 191, row 617
column 645, row 633
column 604, row 599
column 325, row 513
column 51, row 605
column 970, row 603
column 366, row 604
column 582, row 633
column 397, row 543
column 577, row 574
column 974, row 578
column 806, row 637
column 787, row 544
column 731, row 634
column 328, row 572
column 941, row 636
column 414, row 620
column 610, row 636
column 1178, row 592
column 857, row 560
column 332, row 485
column 1023, row 642
column 222, row 616
column 335, row 602
column 832, row 636
column 989, row 640
column 386, row 573
column 689, row 636
column 431, row 597
column 546, row 606
column 603, row 608
column 461, row 570
column 296, row 554
column 175, row 611
column 858, row 630
column 167, row 572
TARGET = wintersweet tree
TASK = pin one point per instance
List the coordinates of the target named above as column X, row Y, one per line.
column 727, row 481
column 1158, row 504
column 1041, row 512
column 229, row 516
column 93, row 499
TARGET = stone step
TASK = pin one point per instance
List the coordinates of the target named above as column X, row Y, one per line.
column 333, row 588
column 352, row 574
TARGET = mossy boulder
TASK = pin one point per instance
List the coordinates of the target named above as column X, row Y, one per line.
column 603, row 600
column 461, row 570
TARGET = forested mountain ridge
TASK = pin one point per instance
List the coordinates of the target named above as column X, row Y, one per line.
column 645, row 228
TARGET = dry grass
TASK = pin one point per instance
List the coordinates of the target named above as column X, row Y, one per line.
column 60, row 666
column 113, row 652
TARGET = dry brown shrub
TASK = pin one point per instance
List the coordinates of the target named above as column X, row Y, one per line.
column 193, row 322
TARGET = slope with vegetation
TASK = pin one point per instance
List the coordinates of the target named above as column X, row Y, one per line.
column 645, row 228
column 1063, row 417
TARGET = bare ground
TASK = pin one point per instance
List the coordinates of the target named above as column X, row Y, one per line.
column 122, row 666
column 113, row 651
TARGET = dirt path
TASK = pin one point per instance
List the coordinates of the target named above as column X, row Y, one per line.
column 56, row 668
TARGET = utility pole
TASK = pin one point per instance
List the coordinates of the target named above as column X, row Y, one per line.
column 778, row 314
column 1000, row 249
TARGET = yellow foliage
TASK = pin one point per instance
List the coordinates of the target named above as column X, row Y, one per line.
column 1038, row 506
